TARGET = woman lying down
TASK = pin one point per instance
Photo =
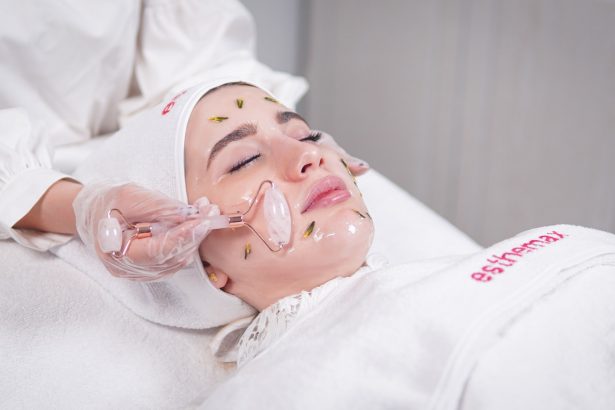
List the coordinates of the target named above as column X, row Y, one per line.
column 526, row 323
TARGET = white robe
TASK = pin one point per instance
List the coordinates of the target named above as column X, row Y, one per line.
column 537, row 335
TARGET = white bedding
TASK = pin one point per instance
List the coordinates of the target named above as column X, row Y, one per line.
column 66, row 343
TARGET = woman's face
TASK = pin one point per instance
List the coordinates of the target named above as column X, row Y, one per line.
column 226, row 161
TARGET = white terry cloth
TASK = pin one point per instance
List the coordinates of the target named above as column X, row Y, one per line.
column 66, row 343
column 149, row 151
column 411, row 336
column 572, row 366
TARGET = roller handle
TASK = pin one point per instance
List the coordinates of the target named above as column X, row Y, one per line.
column 110, row 234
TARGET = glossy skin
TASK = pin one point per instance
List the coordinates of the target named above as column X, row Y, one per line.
column 341, row 237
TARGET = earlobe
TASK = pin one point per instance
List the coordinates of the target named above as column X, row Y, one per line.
column 216, row 277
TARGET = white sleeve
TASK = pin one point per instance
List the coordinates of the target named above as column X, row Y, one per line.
column 183, row 42
column 24, row 177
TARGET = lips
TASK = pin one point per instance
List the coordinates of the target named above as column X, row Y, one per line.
column 325, row 192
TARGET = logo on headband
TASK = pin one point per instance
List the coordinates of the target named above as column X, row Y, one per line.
column 167, row 108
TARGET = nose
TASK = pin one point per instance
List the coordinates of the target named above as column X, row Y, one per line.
column 299, row 159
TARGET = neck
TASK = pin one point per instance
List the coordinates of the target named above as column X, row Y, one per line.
column 263, row 294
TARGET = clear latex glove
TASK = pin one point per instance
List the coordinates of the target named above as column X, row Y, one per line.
column 355, row 165
column 181, row 228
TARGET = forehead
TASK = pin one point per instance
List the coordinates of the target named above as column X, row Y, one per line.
column 224, row 99
column 223, row 105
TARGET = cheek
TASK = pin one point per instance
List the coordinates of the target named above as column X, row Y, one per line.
column 222, row 248
column 237, row 252
column 235, row 195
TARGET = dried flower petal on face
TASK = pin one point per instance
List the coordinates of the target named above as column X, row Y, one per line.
column 359, row 213
column 247, row 250
column 218, row 119
column 239, row 102
column 273, row 100
column 368, row 215
column 347, row 167
column 309, row 229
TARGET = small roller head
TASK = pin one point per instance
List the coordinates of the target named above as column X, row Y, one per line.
column 109, row 235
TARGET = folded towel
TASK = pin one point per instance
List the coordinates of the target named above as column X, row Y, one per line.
column 561, row 356
column 411, row 336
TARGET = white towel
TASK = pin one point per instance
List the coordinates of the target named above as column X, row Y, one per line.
column 561, row 356
column 66, row 343
column 411, row 336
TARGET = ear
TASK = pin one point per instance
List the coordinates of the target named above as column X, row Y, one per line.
column 216, row 277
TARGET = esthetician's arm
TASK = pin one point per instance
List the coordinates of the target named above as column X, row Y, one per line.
column 54, row 210
column 67, row 207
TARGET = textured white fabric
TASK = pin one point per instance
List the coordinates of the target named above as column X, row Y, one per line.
column 572, row 366
column 80, row 69
column 66, row 343
column 411, row 336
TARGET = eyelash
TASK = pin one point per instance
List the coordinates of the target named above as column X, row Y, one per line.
column 242, row 163
column 313, row 137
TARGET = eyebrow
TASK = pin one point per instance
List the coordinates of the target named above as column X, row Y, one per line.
column 244, row 130
column 283, row 117
column 248, row 129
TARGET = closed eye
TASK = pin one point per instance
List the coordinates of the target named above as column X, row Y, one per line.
column 243, row 163
column 314, row 136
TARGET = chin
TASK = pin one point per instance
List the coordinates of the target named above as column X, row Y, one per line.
column 339, row 245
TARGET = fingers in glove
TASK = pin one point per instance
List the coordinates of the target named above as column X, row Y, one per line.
column 357, row 166
column 171, row 247
column 139, row 204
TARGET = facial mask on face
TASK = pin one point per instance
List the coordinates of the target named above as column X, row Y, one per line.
column 277, row 214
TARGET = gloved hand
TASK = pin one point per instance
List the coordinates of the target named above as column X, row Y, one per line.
column 357, row 166
column 166, row 251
